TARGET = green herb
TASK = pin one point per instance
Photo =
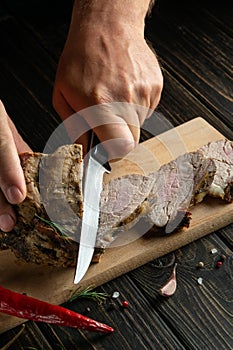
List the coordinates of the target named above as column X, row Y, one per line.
column 62, row 231
column 88, row 293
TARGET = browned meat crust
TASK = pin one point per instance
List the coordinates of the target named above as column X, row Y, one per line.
column 33, row 240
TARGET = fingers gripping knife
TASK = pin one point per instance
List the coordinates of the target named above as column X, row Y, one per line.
column 97, row 165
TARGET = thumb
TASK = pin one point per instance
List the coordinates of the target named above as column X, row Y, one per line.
column 12, row 181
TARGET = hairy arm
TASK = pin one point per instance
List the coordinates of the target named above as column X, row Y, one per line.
column 106, row 60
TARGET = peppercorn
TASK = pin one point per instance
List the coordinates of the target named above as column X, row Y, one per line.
column 200, row 264
column 223, row 257
column 213, row 251
column 125, row 304
column 219, row 264
column 115, row 295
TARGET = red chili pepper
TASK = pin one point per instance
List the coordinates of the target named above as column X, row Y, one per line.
column 23, row 306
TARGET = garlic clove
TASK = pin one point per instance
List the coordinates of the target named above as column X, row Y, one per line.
column 169, row 288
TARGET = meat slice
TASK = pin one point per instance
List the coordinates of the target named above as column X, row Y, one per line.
column 121, row 205
column 55, row 182
column 221, row 152
column 177, row 186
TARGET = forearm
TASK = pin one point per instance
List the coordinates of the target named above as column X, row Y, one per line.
column 106, row 60
column 122, row 8
column 130, row 12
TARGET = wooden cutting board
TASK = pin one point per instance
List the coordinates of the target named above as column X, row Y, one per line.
column 56, row 285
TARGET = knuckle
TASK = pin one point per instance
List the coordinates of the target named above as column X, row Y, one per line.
column 121, row 92
column 145, row 90
column 100, row 95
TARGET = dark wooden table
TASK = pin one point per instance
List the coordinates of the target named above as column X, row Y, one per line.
column 194, row 43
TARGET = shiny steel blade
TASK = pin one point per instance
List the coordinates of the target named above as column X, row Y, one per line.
column 92, row 190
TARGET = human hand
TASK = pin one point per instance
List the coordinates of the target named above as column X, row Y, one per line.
column 12, row 184
column 106, row 60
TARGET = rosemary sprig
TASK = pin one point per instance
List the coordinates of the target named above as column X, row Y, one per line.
column 62, row 231
column 88, row 293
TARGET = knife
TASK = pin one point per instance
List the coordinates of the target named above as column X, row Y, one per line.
column 97, row 164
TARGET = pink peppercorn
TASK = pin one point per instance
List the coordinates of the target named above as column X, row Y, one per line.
column 125, row 303
column 219, row 264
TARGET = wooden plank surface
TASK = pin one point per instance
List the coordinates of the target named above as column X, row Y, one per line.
column 195, row 310
column 196, row 51
column 207, row 217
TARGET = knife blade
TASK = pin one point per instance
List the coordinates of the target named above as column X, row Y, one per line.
column 97, row 165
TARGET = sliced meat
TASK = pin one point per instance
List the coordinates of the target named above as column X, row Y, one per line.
column 121, row 205
column 54, row 192
column 177, row 186
column 55, row 182
column 164, row 197
column 221, row 152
